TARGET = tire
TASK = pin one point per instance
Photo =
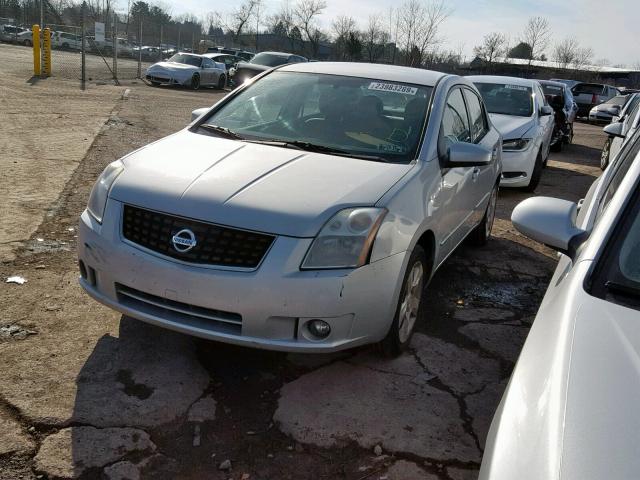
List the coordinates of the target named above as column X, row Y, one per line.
column 222, row 82
column 27, row 43
column 536, row 174
column 482, row 233
column 413, row 283
column 155, row 84
column 569, row 140
column 556, row 147
column 195, row 82
column 606, row 153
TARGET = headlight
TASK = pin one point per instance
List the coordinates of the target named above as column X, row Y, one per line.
column 100, row 190
column 516, row 145
column 345, row 241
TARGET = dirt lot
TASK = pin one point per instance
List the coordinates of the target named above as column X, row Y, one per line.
column 86, row 393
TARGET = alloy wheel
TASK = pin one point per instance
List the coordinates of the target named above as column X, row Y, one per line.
column 410, row 305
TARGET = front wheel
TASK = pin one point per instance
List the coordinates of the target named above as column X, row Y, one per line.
column 409, row 304
column 606, row 152
column 481, row 234
column 195, row 82
column 536, row 174
column 222, row 81
column 27, row 43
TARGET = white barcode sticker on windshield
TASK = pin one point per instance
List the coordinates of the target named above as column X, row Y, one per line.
column 393, row 88
column 516, row 87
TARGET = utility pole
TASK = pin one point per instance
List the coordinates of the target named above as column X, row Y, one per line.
column 41, row 14
column 257, row 23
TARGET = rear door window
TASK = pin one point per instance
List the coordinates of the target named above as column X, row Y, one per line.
column 477, row 116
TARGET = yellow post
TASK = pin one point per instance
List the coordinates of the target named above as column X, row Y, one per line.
column 47, row 52
column 36, row 49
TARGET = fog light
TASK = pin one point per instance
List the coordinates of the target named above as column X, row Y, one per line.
column 319, row 328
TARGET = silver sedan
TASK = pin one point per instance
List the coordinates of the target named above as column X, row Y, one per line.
column 306, row 211
column 189, row 70
column 570, row 410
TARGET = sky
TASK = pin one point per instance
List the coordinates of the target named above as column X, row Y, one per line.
column 609, row 27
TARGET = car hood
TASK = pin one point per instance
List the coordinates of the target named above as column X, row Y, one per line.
column 511, row 126
column 172, row 66
column 252, row 66
column 256, row 187
column 602, row 426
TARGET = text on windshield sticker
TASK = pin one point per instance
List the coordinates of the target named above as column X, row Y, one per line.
column 392, row 87
column 516, row 87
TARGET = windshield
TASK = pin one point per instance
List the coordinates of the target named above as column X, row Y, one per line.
column 269, row 60
column 617, row 100
column 507, row 99
column 186, row 59
column 356, row 116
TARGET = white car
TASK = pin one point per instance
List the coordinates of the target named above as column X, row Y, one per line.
column 25, row 38
column 189, row 70
column 306, row 211
column 519, row 110
column 619, row 131
column 66, row 41
column 570, row 410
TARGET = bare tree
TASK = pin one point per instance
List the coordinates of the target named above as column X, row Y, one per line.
column 582, row 58
column 237, row 20
column 306, row 13
column 419, row 25
column 491, row 49
column 537, row 34
column 565, row 52
column 375, row 37
column 343, row 27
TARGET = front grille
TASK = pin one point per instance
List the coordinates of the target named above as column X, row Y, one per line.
column 178, row 312
column 215, row 245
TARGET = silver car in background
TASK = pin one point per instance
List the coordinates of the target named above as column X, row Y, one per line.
column 520, row 112
column 570, row 410
column 306, row 211
column 189, row 70
column 621, row 130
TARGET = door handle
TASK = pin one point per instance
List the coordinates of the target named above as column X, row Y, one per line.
column 476, row 173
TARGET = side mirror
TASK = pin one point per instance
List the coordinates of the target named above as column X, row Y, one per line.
column 545, row 111
column 614, row 129
column 551, row 221
column 198, row 112
column 463, row 154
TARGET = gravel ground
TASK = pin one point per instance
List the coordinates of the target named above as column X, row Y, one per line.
column 86, row 393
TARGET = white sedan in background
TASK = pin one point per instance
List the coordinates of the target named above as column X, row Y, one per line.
column 189, row 70
column 570, row 410
column 518, row 109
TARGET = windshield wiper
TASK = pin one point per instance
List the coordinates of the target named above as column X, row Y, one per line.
column 313, row 147
column 619, row 288
column 224, row 131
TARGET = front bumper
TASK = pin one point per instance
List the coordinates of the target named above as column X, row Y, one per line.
column 272, row 302
column 167, row 78
column 517, row 167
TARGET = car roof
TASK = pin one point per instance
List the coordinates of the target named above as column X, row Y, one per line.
column 553, row 84
column 391, row 73
column 280, row 54
column 524, row 82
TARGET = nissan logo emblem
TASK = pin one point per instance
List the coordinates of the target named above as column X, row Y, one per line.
column 184, row 240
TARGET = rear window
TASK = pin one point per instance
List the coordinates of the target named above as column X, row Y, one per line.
column 589, row 88
column 551, row 89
